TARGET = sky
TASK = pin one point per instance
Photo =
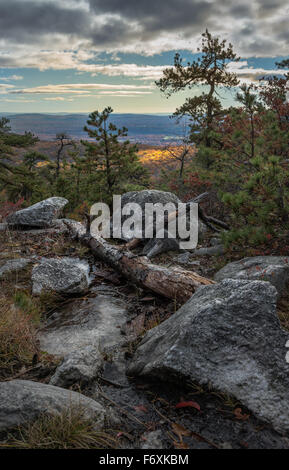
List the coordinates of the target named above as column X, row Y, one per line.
column 83, row 55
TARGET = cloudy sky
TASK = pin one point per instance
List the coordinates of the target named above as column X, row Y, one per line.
column 82, row 55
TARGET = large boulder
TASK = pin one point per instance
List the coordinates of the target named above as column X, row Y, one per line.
column 142, row 198
column 60, row 275
column 22, row 401
column 226, row 336
column 149, row 196
column 274, row 269
column 39, row 215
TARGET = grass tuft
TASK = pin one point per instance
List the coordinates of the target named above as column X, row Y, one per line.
column 67, row 430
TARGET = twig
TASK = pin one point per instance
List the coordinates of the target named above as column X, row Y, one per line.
column 122, row 410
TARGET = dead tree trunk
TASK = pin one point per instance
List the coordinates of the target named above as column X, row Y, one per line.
column 174, row 283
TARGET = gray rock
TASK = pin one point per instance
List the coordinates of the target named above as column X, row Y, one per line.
column 210, row 251
column 215, row 241
column 114, row 370
column 61, row 275
column 3, row 227
column 144, row 197
column 22, row 401
column 81, row 333
column 13, row 265
column 153, row 440
column 93, row 322
column 149, row 196
column 202, row 229
column 39, row 215
column 186, row 258
column 82, row 365
column 156, row 246
column 226, row 336
column 274, row 269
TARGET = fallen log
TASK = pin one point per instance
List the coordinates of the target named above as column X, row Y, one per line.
column 174, row 283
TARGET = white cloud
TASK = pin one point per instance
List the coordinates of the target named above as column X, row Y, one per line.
column 11, row 78
column 17, row 101
column 248, row 74
column 58, row 98
column 78, row 88
column 124, row 93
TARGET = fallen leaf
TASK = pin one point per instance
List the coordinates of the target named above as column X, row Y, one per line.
column 244, row 444
column 180, row 431
column 239, row 415
column 188, row 404
column 140, row 408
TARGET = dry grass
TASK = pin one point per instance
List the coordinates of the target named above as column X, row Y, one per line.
column 68, row 430
column 18, row 342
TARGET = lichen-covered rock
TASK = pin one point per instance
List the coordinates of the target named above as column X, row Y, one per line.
column 226, row 336
column 39, row 215
column 22, row 401
column 10, row 266
column 274, row 269
column 82, row 365
column 60, row 275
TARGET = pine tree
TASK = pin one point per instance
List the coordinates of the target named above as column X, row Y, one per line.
column 209, row 71
column 113, row 165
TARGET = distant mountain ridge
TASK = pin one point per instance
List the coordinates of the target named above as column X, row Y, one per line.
column 142, row 128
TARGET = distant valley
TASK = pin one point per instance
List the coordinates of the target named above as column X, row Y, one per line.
column 151, row 129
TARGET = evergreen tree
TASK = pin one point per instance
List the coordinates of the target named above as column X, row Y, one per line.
column 113, row 165
column 210, row 71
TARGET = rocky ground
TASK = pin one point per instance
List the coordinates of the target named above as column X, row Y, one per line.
column 147, row 371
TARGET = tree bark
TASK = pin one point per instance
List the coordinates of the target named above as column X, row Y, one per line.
column 174, row 283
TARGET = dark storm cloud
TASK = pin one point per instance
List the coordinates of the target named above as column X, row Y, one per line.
column 24, row 20
column 269, row 7
column 157, row 15
column 136, row 24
